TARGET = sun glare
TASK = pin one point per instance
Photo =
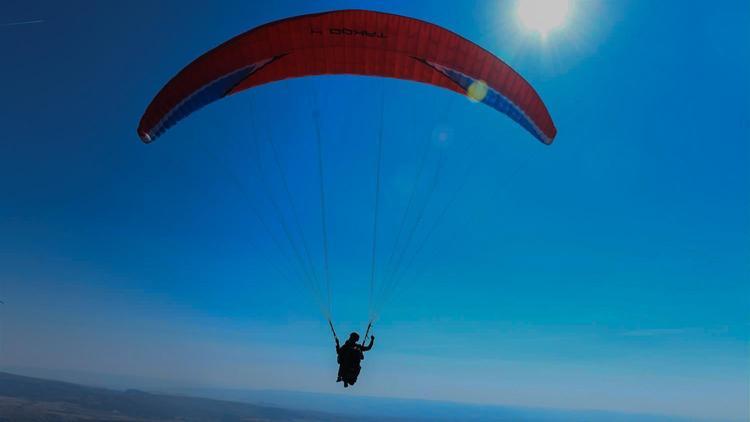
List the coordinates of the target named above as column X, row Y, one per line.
column 543, row 16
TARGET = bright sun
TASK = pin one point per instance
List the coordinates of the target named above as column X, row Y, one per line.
column 543, row 16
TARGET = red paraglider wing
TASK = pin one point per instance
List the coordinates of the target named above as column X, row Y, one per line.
column 358, row 42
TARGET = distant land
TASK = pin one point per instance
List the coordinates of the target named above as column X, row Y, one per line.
column 24, row 398
column 35, row 399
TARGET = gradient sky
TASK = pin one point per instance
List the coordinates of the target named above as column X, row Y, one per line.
column 608, row 271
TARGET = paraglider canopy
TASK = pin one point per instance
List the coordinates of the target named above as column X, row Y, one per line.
column 359, row 42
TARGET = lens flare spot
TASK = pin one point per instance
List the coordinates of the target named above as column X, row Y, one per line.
column 477, row 91
column 442, row 136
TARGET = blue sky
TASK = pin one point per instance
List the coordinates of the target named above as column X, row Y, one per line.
column 606, row 271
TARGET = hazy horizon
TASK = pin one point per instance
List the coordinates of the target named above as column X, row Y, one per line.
column 398, row 408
